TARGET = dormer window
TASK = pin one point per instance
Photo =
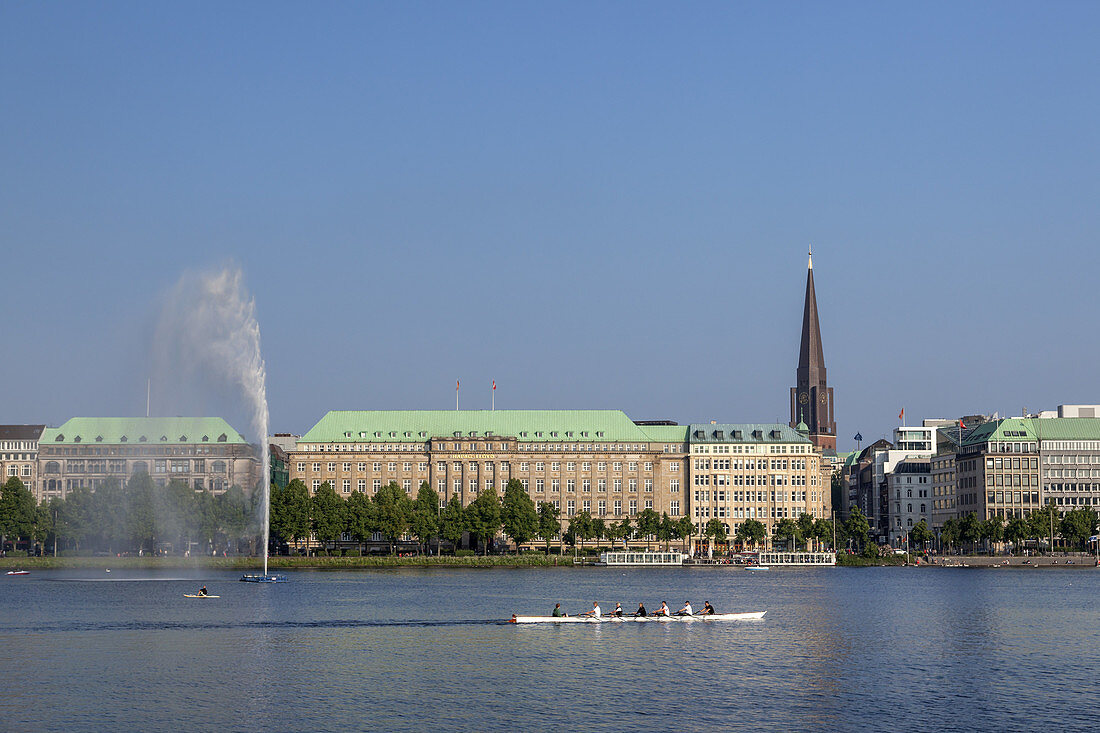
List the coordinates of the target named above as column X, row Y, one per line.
column 76, row 439
column 183, row 438
column 206, row 438
column 222, row 438
column 423, row 434
column 123, row 439
column 99, row 438
column 599, row 433
column 757, row 434
column 719, row 434
column 60, row 437
column 143, row 439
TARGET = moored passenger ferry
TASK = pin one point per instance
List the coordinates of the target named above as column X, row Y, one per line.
column 631, row 557
column 781, row 559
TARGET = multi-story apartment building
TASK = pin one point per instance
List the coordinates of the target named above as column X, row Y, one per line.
column 765, row 472
column 997, row 469
column 204, row 452
column 910, row 497
column 597, row 461
column 1069, row 458
column 19, row 453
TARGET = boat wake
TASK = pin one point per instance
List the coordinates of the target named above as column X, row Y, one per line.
column 259, row 625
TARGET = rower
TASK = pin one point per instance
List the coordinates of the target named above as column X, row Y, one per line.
column 641, row 611
column 663, row 610
column 595, row 612
column 708, row 610
column 618, row 610
column 557, row 611
column 686, row 610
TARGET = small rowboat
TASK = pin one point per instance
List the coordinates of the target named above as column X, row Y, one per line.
column 748, row 616
column 19, row 572
column 198, row 595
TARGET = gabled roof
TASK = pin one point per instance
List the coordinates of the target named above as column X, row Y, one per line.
column 533, row 426
column 156, row 430
column 21, row 432
column 744, row 433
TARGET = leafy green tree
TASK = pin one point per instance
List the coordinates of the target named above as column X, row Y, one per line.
column 483, row 517
column 823, row 532
column 949, row 534
column 685, row 528
column 992, row 530
column 329, row 515
column 666, row 530
column 1044, row 523
column 424, row 522
column 518, row 514
column 599, row 530
column 806, row 526
column 920, row 535
column 291, row 522
column 452, row 523
column 1077, row 525
column 361, row 523
column 17, row 510
column 141, row 526
column 858, row 528
column 549, row 525
column 1016, row 532
column 752, row 531
column 580, row 527
column 970, row 530
column 715, row 531
column 649, row 522
column 392, row 510
column 785, row 530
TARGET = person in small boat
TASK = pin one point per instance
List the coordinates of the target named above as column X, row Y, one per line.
column 641, row 611
column 663, row 610
column 595, row 612
column 686, row 610
column 202, row 591
column 618, row 610
column 558, row 612
column 708, row 610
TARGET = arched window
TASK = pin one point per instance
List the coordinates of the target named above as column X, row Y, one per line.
column 922, row 508
column 218, row 466
column 909, row 508
column 53, row 467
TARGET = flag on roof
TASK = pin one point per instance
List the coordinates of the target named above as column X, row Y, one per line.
column 858, row 438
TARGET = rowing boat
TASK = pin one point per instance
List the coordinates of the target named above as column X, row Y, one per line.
column 198, row 595
column 749, row 616
column 19, row 572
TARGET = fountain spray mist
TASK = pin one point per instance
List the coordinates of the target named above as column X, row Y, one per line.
column 208, row 341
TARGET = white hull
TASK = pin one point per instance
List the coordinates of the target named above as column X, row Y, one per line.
column 752, row 615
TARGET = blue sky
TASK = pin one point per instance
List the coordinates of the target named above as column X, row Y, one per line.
column 598, row 205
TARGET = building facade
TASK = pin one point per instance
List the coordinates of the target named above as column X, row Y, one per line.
column 85, row 452
column 19, row 453
column 765, row 472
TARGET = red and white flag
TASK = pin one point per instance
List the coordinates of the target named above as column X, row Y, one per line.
column 494, row 385
column 456, row 385
column 961, row 426
column 901, row 415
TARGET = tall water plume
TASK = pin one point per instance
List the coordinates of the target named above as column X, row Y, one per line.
column 207, row 351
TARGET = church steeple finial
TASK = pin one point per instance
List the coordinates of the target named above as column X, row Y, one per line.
column 811, row 257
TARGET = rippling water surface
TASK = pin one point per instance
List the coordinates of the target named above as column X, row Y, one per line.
column 416, row 650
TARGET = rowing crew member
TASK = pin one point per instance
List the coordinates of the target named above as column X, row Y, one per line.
column 641, row 611
column 708, row 610
column 618, row 610
column 663, row 610
column 686, row 610
column 557, row 611
column 595, row 612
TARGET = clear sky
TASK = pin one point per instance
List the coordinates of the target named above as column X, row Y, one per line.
column 599, row 205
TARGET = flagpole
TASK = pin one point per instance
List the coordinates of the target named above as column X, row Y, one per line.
column 493, row 403
column 456, row 395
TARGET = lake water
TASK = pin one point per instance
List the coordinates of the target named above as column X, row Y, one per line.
column 422, row 650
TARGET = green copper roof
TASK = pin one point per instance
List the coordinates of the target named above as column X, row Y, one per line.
column 666, row 433
column 1031, row 428
column 159, row 430
column 535, row 426
column 744, row 433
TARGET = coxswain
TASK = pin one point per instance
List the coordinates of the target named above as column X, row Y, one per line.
column 640, row 613
column 708, row 610
column 618, row 610
column 595, row 612
column 686, row 610
column 663, row 610
column 557, row 611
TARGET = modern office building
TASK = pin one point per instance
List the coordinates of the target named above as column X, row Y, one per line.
column 205, row 452
column 812, row 397
column 19, row 453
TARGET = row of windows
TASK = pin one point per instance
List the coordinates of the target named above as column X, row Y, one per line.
column 1012, row 497
column 753, row 480
column 751, row 449
column 524, row 466
column 748, row 496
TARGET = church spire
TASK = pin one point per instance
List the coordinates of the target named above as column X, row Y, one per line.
column 812, row 398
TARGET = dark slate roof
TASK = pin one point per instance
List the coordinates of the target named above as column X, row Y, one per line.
column 21, row 432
